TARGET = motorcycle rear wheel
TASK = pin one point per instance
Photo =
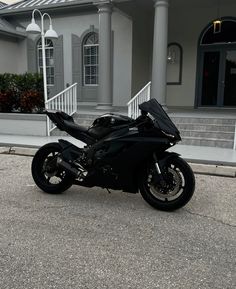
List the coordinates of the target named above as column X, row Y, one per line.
column 178, row 190
column 45, row 172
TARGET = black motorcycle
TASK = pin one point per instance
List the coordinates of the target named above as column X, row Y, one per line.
column 120, row 153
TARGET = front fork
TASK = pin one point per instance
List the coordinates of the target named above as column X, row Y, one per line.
column 159, row 176
column 157, row 164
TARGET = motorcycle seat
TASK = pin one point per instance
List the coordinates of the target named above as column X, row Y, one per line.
column 69, row 124
column 74, row 126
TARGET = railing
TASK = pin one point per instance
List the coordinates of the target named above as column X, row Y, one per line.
column 64, row 101
column 140, row 97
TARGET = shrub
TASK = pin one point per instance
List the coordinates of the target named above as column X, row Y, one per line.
column 31, row 101
column 21, row 93
column 8, row 92
column 6, row 102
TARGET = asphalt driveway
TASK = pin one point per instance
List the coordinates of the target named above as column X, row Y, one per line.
column 87, row 238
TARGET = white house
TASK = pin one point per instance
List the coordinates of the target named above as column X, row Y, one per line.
column 113, row 48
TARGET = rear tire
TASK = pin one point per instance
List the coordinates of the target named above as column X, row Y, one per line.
column 45, row 172
column 178, row 191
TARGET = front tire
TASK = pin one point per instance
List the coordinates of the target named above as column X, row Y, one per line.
column 46, row 173
column 177, row 189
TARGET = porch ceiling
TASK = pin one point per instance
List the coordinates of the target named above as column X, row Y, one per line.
column 199, row 3
column 148, row 5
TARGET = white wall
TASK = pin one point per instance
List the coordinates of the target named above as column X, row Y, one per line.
column 122, row 65
column 22, row 57
column 12, row 56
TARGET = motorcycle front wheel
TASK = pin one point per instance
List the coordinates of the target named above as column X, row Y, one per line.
column 174, row 191
column 47, row 175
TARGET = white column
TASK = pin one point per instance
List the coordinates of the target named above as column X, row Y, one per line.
column 105, row 55
column 159, row 62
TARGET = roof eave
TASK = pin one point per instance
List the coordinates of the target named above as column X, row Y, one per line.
column 13, row 34
column 59, row 6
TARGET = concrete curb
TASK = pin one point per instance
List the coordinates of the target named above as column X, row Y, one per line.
column 213, row 170
column 21, row 151
column 204, row 169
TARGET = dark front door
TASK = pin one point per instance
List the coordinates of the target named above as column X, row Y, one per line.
column 217, row 85
column 229, row 91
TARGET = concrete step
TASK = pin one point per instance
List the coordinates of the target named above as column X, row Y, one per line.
column 212, row 132
column 205, row 127
column 208, row 134
column 58, row 132
column 210, row 142
column 84, row 121
column 199, row 120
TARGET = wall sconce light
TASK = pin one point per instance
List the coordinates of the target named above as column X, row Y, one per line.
column 217, row 26
column 218, row 22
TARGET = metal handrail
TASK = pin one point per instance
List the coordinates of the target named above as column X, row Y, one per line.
column 143, row 95
column 142, row 90
column 65, row 101
column 57, row 95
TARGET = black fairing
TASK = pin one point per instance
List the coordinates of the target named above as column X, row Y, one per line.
column 161, row 119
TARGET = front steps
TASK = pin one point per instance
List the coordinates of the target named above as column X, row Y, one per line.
column 203, row 131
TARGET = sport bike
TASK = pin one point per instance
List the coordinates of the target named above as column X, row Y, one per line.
column 120, row 153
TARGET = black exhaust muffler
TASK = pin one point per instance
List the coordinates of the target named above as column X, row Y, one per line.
column 71, row 170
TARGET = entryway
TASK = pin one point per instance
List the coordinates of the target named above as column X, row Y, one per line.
column 216, row 85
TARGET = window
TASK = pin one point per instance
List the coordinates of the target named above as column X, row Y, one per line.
column 90, row 59
column 49, row 55
column 174, row 64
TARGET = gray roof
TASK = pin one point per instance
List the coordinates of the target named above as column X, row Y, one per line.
column 2, row 5
column 27, row 5
column 36, row 3
column 9, row 30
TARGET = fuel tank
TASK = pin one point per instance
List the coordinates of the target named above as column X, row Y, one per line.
column 110, row 120
column 108, row 123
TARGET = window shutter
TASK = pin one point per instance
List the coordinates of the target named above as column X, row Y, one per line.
column 58, row 67
column 76, row 61
column 31, row 56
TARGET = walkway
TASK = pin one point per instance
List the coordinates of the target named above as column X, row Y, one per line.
column 197, row 154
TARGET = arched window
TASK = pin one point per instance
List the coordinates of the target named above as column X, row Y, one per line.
column 226, row 35
column 49, row 55
column 90, row 59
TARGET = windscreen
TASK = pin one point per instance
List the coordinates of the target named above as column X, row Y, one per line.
column 161, row 119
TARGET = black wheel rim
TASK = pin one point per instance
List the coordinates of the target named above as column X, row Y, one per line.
column 173, row 187
column 51, row 173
